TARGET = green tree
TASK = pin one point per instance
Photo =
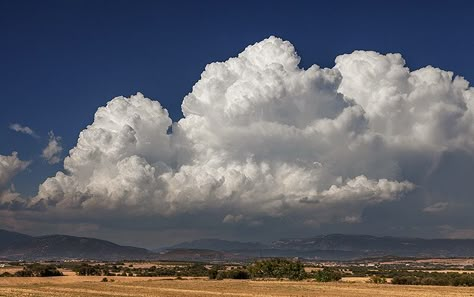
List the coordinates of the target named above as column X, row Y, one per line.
column 327, row 275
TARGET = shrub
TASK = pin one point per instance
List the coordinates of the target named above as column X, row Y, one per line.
column 376, row 279
column 277, row 268
column 220, row 275
column 24, row 273
column 435, row 279
column 88, row 270
column 327, row 275
column 38, row 270
column 238, row 274
column 212, row 273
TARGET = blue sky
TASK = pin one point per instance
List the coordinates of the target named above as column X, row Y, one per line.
column 61, row 60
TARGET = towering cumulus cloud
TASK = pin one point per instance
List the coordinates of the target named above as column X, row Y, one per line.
column 263, row 137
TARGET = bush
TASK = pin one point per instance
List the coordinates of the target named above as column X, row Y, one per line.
column 194, row 270
column 88, row 270
column 38, row 270
column 24, row 273
column 104, row 280
column 327, row 275
column 277, row 268
column 376, row 279
column 238, row 274
column 212, row 273
column 435, row 279
column 220, row 275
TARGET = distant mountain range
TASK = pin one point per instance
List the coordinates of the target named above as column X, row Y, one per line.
column 219, row 245
column 366, row 245
column 340, row 247
column 17, row 246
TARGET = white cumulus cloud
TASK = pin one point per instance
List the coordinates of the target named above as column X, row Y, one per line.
column 263, row 137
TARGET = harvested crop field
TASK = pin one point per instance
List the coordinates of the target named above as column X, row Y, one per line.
column 72, row 286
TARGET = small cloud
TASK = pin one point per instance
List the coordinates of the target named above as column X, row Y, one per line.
column 312, row 223
column 255, row 223
column 232, row 219
column 241, row 219
column 52, row 152
column 309, row 200
column 352, row 219
column 23, row 129
column 437, row 207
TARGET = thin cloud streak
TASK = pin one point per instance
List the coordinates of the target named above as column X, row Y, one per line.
column 23, row 129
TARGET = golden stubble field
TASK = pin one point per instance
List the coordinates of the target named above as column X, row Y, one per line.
column 72, row 286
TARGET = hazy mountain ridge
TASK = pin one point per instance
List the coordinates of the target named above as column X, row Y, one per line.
column 17, row 246
column 219, row 245
column 67, row 247
column 342, row 246
column 382, row 245
column 9, row 237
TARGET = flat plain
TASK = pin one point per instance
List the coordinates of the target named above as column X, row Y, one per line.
column 75, row 286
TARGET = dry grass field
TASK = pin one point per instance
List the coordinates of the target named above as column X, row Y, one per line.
column 75, row 286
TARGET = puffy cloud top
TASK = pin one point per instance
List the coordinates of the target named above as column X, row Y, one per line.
column 426, row 107
column 262, row 136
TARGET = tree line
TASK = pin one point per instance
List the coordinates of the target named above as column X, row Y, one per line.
column 35, row 270
column 261, row 269
column 435, row 279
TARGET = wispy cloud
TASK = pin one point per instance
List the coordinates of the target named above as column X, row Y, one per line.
column 23, row 129
column 437, row 207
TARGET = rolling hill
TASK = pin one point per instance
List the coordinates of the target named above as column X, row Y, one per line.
column 23, row 247
column 8, row 238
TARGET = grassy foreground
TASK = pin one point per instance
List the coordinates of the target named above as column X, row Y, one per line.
column 72, row 286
